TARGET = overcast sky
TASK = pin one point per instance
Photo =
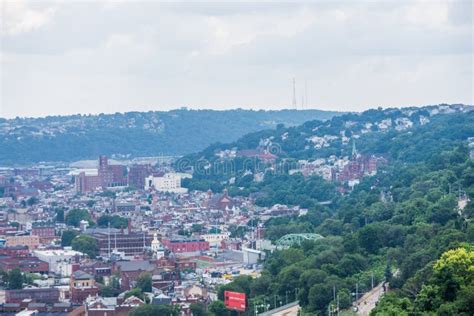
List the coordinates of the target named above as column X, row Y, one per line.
column 91, row 56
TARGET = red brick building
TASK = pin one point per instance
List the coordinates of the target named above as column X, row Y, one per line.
column 107, row 176
column 43, row 231
column 45, row 295
column 82, row 285
column 85, row 183
column 16, row 251
column 137, row 175
column 186, row 245
column 25, row 264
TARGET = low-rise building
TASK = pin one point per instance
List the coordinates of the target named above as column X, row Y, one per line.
column 186, row 245
column 32, row 242
column 60, row 261
column 82, row 285
column 25, row 264
column 168, row 182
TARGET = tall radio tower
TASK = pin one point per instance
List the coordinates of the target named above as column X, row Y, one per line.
column 306, row 94
column 295, row 106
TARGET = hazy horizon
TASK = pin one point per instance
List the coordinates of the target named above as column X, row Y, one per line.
column 228, row 109
column 91, row 57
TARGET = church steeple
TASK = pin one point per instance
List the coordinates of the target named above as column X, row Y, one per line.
column 354, row 150
column 156, row 247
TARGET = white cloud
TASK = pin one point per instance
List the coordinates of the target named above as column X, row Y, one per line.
column 427, row 13
column 18, row 17
column 230, row 32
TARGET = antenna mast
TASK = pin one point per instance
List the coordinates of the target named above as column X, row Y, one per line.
column 306, row 93
column 295, row 106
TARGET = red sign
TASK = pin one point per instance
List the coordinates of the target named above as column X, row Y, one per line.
column 235, row 301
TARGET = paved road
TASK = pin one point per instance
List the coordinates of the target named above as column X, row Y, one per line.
column 292, row 311
column 287, row 310
column 367, row 302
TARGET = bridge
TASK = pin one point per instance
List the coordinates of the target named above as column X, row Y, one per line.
column 292, row 239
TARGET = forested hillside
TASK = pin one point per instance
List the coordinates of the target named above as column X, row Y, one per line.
column 177, row 132
column 410, row 225
column 376, row 132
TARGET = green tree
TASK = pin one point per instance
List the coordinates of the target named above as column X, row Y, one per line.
column 144, row 282
column 3, row 277
column 218, row 308
column 319, row 297
column 86, row 244
column 370, row 237
column 115, row 281
column 32, row 201
column 345, row 299
column 155, row 310
column 67, row 236
column 115, row 221
column 135, row 292
column 75, row 216
column 196, row 228
column 198, row 309
column 15, row 279
column 59, row 215
column 108, row 291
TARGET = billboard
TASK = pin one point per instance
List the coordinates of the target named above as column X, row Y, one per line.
column 235, row 301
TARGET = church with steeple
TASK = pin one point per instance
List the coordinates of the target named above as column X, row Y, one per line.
column 357, row 167
column 157, row 248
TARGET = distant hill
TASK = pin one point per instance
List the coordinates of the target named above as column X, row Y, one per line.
column 318, row 139
column 408, row 135
column 133, row 134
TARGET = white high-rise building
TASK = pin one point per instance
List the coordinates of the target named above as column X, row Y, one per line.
column 169, row 182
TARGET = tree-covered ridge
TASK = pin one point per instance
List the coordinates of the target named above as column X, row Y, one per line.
column 177, row 132
column 365, row 235
column 421, row 142
column 403, row 225
column 314, row 139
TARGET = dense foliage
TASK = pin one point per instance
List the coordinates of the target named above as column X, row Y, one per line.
column 67, row 236
column 115, row 221
column 86, row 244
column 75, row 216
column 448, row 288
column 154, row 310
column 403, row 226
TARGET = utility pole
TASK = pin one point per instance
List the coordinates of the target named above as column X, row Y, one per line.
column 357, row 291
column 337, row 305
column 372, row 279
